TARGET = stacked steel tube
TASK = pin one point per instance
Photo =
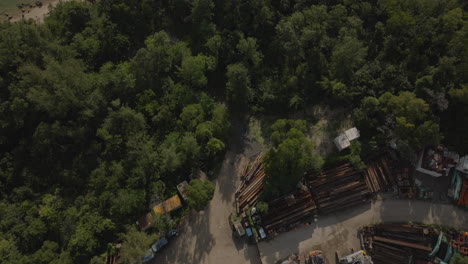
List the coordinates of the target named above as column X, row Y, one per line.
column 337, row 188
column 252, row 181
column 288, row 210
column 399, row 243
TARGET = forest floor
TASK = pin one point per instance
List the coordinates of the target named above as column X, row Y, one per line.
column 36, row 13
column 208, row 237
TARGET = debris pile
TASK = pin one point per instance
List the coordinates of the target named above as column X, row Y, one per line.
column 460, row 188
column 378, row 175
column 314, row 257
column 404, row 182
column 252, row 181
column 407, row 243
column 288, row 210
column 337, row 188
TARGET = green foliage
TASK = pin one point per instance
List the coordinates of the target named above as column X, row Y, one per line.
column 193, row 70
column 214, row 146
column 247, row 48
column 191, row 116
column 355, row 155
column 135, row 245
column 410, row 114
column 262, row 207
column 459, row 259
column 199, row 194
column 291, row 156
column 105, row 107
column 90, row 230
column 9, row 254
column 238, row 85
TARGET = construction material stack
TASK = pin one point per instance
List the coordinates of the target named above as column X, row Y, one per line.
column 406, row 243
column 378, row 175
column 252, row 181
column 289, row 210
column 459, row 243
column 337, row 188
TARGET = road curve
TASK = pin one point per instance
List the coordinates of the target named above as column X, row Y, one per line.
column 338, row 231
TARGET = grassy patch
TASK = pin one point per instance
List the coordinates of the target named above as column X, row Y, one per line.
column 255, row 130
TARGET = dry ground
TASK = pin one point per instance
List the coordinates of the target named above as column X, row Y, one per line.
column 338, row 232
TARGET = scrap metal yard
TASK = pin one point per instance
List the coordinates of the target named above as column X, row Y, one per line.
column 338, row 232
column 327, row 210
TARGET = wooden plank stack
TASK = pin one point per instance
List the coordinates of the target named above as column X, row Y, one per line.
column 378, row 175
column 398, row 243
column 288, row 210
column 252, row 181
column 337, row 188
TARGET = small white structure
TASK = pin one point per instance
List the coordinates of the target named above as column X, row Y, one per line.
column 462, row 165
column 344, row 139
column 357, row 257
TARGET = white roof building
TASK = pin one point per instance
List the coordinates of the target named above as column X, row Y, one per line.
column 344, row 139
column 462, row 165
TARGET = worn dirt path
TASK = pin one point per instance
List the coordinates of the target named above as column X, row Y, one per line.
column 208, row 238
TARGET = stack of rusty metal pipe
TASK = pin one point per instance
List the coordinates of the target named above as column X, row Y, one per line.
column 252, row 181
column 398, row 243
column 378, row 175
column 337, row 188
column 289, row 209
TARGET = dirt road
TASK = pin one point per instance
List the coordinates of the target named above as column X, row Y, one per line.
column 208, row 238
column 338, row 232
column 37, row 13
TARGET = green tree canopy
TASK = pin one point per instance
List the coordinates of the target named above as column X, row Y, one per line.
column 199, row 193
column 286, row 163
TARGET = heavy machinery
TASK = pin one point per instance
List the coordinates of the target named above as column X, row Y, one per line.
column 359, row 257
column 315, row 257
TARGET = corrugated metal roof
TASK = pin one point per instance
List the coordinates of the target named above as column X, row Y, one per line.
column 342, row 142
column 168, row 205
column 344, row 139
column 352, row 133
column 145, row 221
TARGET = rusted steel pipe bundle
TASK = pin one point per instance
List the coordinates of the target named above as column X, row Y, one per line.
column 378, row 175
column 288, row 210
column 337, row 188
column 398, row 243
column 252, row 181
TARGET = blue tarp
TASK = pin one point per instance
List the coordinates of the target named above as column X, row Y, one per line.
column 248, row 231
column 448, row 254
column 437, row 246
column 458, row 184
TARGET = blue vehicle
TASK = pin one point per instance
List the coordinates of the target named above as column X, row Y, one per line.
column 161, row 243
column 172, row 233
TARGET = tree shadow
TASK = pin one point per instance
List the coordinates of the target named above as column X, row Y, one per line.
column 192, row 245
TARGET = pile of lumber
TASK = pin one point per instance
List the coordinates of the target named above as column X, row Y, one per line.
column 399, row 243
column 337, row 188
column 289, row 210
column 378, row 175
column 252, row 181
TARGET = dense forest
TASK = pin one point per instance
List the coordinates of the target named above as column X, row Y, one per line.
column 108, row 105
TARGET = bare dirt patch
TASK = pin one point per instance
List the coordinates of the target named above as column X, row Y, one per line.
column 329, row 123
